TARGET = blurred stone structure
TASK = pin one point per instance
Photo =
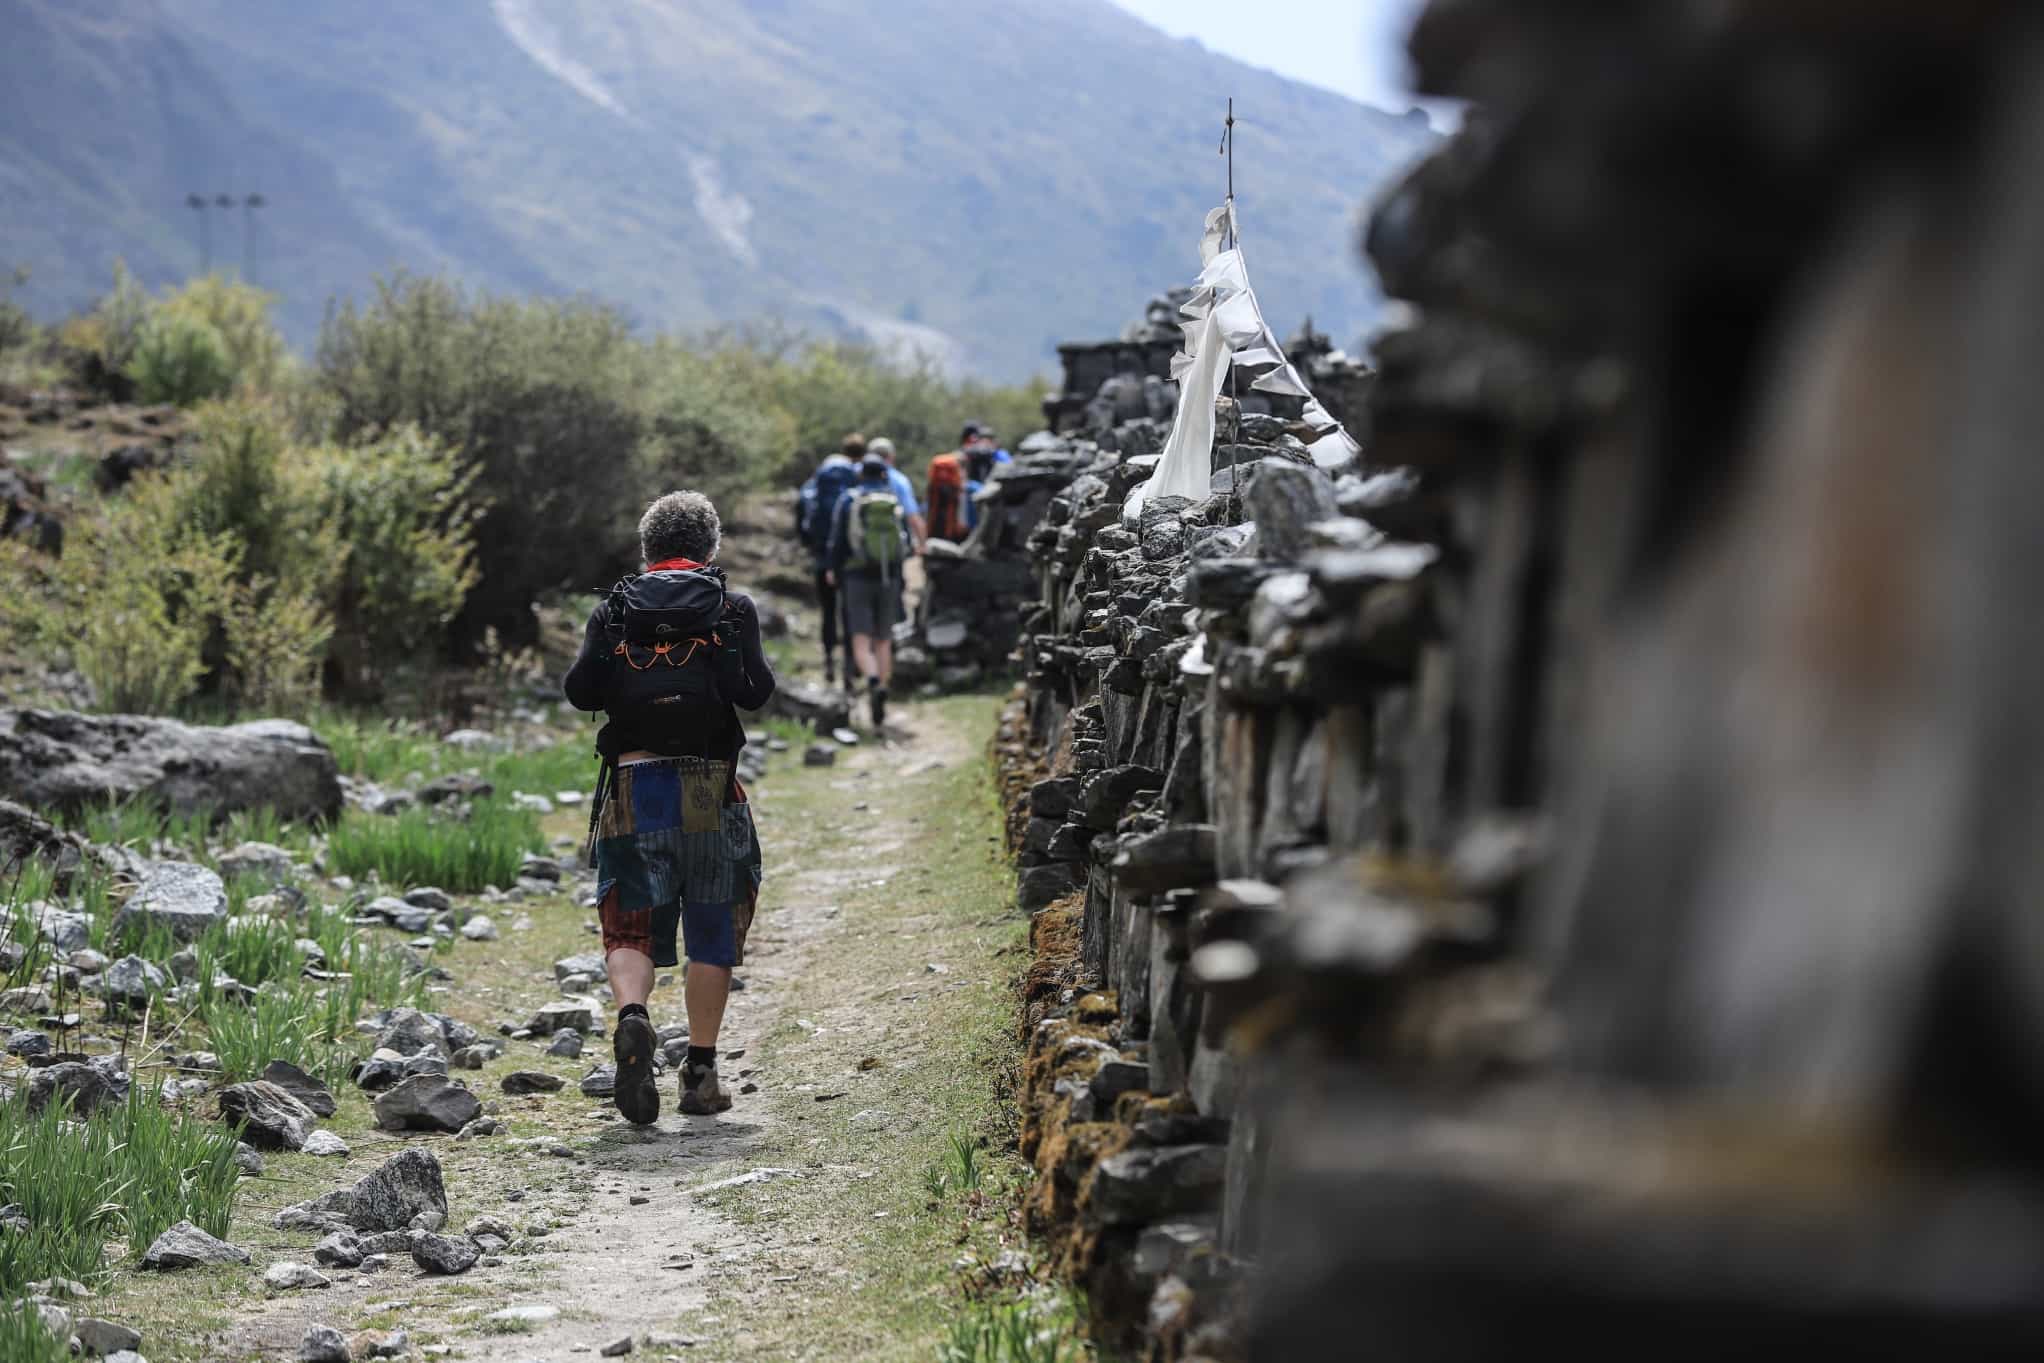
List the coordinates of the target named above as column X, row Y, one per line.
column 1571, row 879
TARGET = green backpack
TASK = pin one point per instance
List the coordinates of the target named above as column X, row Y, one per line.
column 873, row 533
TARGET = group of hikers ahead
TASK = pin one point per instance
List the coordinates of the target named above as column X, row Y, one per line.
column 669, row 656
column 859, row 518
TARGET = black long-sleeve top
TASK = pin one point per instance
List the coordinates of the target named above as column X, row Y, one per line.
column 744, row 679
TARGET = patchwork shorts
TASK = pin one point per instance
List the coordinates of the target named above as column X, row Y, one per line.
column 672, row 852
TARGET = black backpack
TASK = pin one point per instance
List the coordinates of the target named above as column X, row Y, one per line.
column 663, row 628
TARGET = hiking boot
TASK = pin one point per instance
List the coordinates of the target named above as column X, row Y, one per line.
column 636, row 1095
column 879, row 698
column 701, row 1093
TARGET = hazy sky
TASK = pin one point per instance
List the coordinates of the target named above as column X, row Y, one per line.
column 1353, row 46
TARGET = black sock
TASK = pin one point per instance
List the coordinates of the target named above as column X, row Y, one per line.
column 633, row 1009
column 702, row 1057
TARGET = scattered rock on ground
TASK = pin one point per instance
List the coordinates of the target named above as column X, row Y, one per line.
column 427, row 1102
column 186, row 1246
column 248, row 1159
column 300, row 1085
column 100, row 1338
column 409, row 1032
column 408, row 1183
column 284, row 1277
column 339, row 1249
column 185, row 898
column 588, row 963
column 26, row 1043
column 617, row 1348
column 324, row 1142
column 567, row 1045
column 87, row 1087
column 429, row 897
column 323, row 1344
column 480, row 929
column 260, row 861
column 521, row 1082
column 444, row 1253
column 269, row 1117
column 600, row 1082
column 568, row 1014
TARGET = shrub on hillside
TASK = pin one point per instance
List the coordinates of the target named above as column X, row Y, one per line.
column 256, row 569
column 546, row 399
column 180, row 358
column 98, row 345
column 240, row 314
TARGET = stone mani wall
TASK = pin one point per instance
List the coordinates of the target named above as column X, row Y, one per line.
column 1229, row 697
column 1571, row 880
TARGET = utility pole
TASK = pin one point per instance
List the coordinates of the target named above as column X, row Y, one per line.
column 197, row 203
column 224, row 202
column 249, row 204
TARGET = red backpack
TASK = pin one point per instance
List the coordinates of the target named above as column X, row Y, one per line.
column 947, row 498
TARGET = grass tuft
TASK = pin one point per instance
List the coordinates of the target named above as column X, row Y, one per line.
column 125, row 1173
column 419, row 847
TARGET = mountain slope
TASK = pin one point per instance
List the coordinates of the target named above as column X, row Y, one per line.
column 966, row 174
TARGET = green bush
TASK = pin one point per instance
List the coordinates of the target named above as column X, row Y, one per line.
column 180, row 358
column 143, row 647
column 257, row 568
column 547, row 399
column 240, row 316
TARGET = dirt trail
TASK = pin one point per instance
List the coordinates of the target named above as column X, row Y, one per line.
column 643, row 1232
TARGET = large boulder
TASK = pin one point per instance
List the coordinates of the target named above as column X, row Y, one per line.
column 62, row 760
column 427, row 1102
column 179, row 895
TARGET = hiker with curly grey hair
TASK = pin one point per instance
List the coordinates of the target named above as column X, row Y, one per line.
column 669, row 655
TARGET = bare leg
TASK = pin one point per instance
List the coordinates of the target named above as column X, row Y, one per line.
column 883, row 660
column 631, row 976
column 862, row 653
column 706, row 988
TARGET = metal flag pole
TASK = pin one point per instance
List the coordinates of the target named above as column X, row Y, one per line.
column 1230, row 242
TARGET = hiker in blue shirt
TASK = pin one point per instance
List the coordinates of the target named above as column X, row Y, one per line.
column 869, row 542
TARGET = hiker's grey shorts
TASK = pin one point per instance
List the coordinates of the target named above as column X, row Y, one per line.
column 872, row 604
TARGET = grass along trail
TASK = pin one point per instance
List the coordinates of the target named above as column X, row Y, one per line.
column 819, row 1219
